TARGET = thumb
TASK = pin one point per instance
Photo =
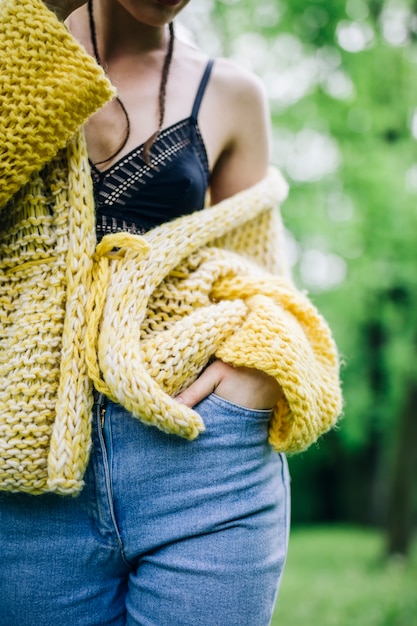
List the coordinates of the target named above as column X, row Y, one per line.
column 201, row 388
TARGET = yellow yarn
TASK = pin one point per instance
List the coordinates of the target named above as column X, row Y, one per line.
column 46, row 247
column 169, row 307
column 139, row 316
column 49, row 85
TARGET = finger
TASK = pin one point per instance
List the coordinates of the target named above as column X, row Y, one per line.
column 201, row 388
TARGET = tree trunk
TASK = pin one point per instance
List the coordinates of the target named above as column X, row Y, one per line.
column 400, row 515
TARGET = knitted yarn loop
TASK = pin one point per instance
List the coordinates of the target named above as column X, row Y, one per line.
column 144, row 320
column 169, row 311
column 137, row 317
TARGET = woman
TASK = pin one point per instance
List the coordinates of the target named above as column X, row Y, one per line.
column 131, row 39
column 165, row 531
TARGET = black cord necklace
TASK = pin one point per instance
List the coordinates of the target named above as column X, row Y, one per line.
column 93, row 36
column 164, row 78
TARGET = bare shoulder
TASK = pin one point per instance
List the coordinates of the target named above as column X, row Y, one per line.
column 236, row 81
column 239, row 96
column 236, row 116
column 234, row 121
column 229, row 80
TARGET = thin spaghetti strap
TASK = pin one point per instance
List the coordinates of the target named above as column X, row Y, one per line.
column 201, row 89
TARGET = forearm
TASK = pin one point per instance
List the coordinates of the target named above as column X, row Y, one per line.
column 49, row 86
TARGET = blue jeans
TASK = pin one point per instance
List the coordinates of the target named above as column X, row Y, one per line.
column 166, row 532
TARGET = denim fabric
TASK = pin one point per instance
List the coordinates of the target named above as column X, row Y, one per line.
column 166, row 532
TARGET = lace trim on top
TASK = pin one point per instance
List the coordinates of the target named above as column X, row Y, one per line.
column 135, row 196
column 132, row 171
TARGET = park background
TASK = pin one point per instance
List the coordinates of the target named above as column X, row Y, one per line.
column 341, row 78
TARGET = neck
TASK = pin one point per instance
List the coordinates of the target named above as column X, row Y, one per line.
column 118, row 33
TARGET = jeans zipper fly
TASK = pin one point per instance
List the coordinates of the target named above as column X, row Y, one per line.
column 107, row 459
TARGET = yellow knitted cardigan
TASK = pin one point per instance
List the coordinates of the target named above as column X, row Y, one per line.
column 138, row 317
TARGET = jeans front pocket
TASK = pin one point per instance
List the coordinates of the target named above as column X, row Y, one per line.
column 231, row 407
column 224, row 418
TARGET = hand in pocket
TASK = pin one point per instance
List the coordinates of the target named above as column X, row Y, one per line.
column 241, row 385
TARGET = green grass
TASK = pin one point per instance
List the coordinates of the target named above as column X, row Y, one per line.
column 338, row 577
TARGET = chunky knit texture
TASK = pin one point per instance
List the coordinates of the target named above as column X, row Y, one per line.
column 140, row 316
column 202, row 286
column 48, row 87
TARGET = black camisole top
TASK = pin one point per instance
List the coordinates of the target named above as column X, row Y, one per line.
column 134, row 196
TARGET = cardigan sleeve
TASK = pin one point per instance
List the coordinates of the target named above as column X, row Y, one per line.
column 49, row 86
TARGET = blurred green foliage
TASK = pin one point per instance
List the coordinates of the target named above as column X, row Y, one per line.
column 341, row 77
